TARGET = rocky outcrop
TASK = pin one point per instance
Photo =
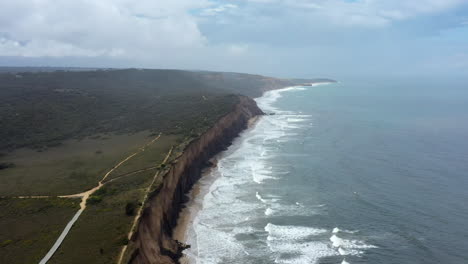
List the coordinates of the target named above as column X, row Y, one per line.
column 153, row 241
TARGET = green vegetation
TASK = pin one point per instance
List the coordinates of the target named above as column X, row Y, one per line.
column 149, row 159
column 29, row 227
column 41, row 109
column 130, row 208
column 112, row 208
column 70, row 168
column 102, row 229
column 6, row 165
column 62, row 131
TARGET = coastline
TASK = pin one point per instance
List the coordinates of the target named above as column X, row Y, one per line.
column 153, row 242
column 188, row 214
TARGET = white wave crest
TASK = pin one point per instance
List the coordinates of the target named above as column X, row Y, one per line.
column 344, row 262
column 320, row 83
column 300, row 253
column 265, row 102
column 269, row 211
column 277, row 232
column 336, row 230
column 349, row 247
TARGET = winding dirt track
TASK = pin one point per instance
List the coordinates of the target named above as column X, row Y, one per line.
column 140, row 210
column 84, row 197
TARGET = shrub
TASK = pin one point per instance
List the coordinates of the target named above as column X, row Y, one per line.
column 6, row 243
column 94, row 199
column 123, row 241
column 6, row 165
column 130, row 208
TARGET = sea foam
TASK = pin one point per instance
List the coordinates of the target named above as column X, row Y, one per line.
column 276, row 232
column 296, row 244
column 344, row 262
column 230, row 213
column 349, row 247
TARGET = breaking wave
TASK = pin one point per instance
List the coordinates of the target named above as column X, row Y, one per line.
column 240, row 209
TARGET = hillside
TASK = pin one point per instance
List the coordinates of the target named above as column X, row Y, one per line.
column 40, row 109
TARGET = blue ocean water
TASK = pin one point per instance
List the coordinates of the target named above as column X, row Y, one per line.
column 353, row 172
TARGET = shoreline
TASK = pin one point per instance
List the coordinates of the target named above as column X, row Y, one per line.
column 190, row 211
column 194, row 204
column 188, row 214
column 153, row 241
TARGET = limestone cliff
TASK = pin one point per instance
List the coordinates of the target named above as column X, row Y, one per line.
column 153, row 241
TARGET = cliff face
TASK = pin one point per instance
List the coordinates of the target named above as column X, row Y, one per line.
column 153, row 238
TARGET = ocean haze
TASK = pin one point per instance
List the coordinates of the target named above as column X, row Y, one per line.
column 368, row 171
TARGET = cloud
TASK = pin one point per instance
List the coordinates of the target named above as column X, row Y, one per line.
column 278, row 37
column 148, row 28
column 96, row 28
column 50, row 48
column 212, row 11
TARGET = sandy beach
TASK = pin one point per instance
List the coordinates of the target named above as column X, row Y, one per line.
column 189, row 213
column 195, row 203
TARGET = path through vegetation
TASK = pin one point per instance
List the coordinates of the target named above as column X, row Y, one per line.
column 140, row 210
column 84, row 197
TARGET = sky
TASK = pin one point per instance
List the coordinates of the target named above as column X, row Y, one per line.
column 283, row 38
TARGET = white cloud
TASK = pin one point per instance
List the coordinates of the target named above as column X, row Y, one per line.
column 217, row 9
column 151, row 29
column 97, row 28
column 230, row 35
column 49, row 48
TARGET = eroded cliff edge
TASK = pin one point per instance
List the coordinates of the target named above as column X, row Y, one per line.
column 153, row 241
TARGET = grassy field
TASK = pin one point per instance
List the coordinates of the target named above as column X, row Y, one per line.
column 151, row 157
column 73, row 167
column 101, row 231
column 29, row 227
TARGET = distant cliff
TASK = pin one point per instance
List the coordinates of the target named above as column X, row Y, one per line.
column 153, row 241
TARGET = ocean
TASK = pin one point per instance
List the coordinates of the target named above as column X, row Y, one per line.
column 353, row 172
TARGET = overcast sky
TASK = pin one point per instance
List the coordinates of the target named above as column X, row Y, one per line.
column 289, row 38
